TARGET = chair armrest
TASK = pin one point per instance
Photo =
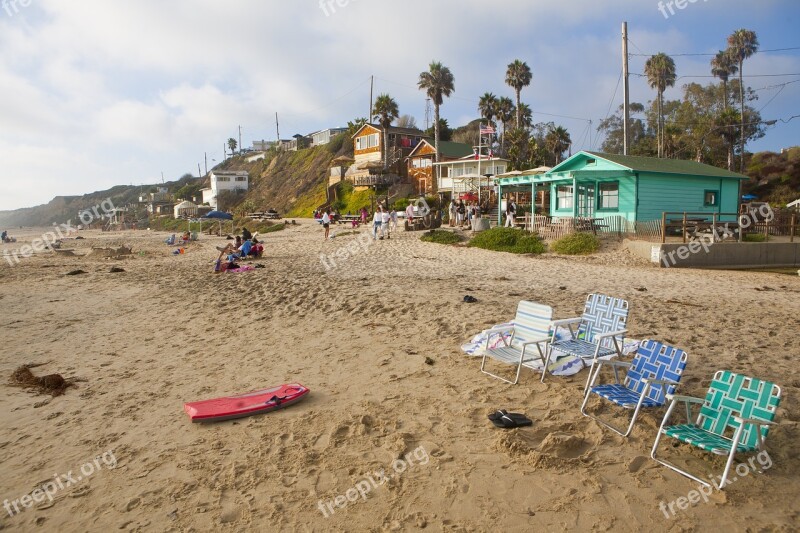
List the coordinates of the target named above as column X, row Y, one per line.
column 611, row 334
column 753, row 421
column 536, row 341
column 499, row 329
column 611, row 362
column 687, row 399
column 660, row 381
column 566, row 321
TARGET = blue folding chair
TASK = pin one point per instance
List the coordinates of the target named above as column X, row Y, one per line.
column 601, row 331
column 654, row 372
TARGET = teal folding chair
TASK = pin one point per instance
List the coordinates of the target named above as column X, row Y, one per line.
column 735, row 417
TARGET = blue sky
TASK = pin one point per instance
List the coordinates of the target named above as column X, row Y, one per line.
column 99, row 93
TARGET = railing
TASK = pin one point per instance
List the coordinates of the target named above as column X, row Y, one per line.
column 369, row 181
column 721, row 226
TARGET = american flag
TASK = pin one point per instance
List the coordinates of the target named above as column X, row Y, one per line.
column 487, row 130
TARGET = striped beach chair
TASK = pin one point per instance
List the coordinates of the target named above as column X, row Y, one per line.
column 530, row 327
column 734, row 418
column 654, row 372
column 600, row 331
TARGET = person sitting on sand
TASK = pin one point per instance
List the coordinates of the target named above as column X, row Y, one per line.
column 258, row 249
column 246, row 235
column 219, row 265
column 238, row 242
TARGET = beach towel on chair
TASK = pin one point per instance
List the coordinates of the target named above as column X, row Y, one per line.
column 564, row 365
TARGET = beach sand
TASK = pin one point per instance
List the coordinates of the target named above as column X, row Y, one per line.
column 376, row 339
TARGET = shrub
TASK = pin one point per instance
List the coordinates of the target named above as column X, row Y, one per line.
column 577, row 244
column 441, row 237
column 754, row 237
column 511, row 240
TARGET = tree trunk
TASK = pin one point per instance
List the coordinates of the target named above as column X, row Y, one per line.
column 518, row 110
column 385, row 148
column 741, row 99
column 658, row 132
column 727, row 106
column 434, row 183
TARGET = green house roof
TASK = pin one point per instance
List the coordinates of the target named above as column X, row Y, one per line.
column 664, row 166
column 450, row 149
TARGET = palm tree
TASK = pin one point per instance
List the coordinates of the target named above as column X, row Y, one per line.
column 660, row 72
column 232, row 145
column 385, row 111
column 487, row 107
column 437, row 82
column 558, row 141
column 723, row 66
column 525, row 115
column 742, row 44
column 518, row 75
column 505, row 112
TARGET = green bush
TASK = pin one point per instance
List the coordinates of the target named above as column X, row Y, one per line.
column 441, row 237
column 577, row 244
column 515, row 241
column 754, row 237
column 401, row 204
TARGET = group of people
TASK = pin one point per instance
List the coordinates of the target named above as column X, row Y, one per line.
column 461, row 213
column 5, row 237
column 244, row 246
column 384, row 221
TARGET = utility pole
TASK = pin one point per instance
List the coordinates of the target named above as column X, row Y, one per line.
column 205, row 157
column 224, row 152
column 371, row 84
column 626, row 124
column 240, row 139
column 198, row 171
column 277, row 131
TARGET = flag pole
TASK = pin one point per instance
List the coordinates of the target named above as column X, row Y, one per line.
column 480, row 143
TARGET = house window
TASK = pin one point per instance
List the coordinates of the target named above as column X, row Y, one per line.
column 367, row 141
column 223, row 178
column 591, row 162
column 608, row 195
column 711, row 198
column 564, row 197
column 241, row 178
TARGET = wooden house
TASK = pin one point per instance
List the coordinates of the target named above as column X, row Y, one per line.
column 422, row 157
column 367, row 169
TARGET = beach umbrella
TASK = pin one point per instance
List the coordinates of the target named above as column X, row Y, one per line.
column 218, row 215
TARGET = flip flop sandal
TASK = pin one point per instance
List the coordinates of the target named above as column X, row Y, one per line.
column 498, row 414
column 509, row 421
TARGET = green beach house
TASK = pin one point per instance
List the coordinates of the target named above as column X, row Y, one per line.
column 639, row 189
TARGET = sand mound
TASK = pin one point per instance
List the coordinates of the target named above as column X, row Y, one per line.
column 53, row 384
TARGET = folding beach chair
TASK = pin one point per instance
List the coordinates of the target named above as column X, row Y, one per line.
column 654, row 372
column 601, row 331
column 734, row 418
column 531, row 326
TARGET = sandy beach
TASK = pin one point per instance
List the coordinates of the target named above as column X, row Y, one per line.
column 377, row 340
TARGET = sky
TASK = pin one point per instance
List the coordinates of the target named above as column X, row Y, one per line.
column 97, row 93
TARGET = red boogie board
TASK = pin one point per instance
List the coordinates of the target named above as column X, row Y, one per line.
column 251, row 403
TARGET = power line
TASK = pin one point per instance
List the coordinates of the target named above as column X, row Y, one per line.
column 709, row 76
column 712, row 55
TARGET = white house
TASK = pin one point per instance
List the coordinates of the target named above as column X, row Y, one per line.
column 794, row 205
column 318, row 138
column 468, row 173
column 185, row 208
column 219, row 181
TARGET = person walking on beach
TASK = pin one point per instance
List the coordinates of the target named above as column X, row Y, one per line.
column 410, row 216
column 364, row 215
column 326, row 222
column 511, row 211
column 462, row 211
column 394, row 220
column 453, row 210
column 377, row 222
column 385, row 218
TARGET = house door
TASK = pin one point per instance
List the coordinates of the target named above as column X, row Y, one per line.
column 586, row 201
